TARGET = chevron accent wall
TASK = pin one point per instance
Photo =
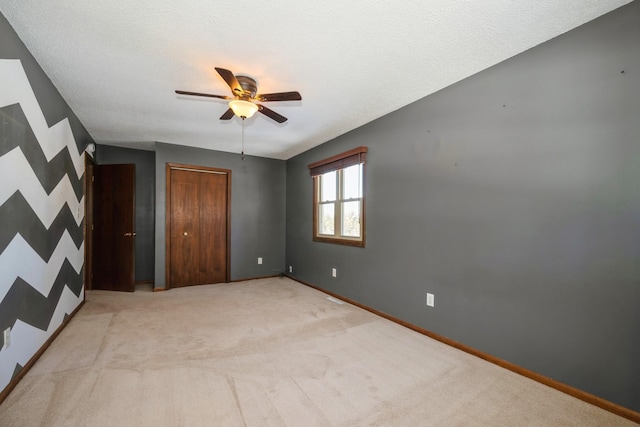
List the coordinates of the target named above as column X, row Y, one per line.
column 41, row 220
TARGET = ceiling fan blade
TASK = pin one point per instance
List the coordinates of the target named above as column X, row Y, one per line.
column 271, row 114
column 231, row 80
column 228, row 115
column 281, row 96
column 208, row 95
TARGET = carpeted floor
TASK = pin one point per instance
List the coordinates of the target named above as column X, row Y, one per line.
column 268, row 352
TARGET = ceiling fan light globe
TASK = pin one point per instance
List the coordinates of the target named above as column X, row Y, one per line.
column 242, row 108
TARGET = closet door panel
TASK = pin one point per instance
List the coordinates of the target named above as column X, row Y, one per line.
column 213, row 227
column 185, row 228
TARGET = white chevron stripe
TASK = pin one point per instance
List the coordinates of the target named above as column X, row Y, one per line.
column 20, row 260
column 27, row 340
column 17, row 175
column 16, row 89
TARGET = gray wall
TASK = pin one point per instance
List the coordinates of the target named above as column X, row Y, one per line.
column 257, row 209
column 33, row 224
column 145, row 194
column 514, row 197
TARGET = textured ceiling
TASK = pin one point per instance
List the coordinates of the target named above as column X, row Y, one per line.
column 118, row 62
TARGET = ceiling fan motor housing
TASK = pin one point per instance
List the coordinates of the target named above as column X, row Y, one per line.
column 249, row 86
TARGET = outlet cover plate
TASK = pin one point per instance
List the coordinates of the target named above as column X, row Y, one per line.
column 431, row 300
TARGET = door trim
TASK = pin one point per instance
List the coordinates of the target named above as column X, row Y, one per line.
column 167, row 204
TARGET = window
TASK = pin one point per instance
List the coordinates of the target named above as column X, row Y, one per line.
column 338, row 198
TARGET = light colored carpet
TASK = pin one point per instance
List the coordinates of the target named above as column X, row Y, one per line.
column 268, row 352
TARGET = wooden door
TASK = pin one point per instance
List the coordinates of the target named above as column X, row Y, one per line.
column 89, row 166
column 185, row 228
column 197, row 225
column 113, row 227
column 213, row 228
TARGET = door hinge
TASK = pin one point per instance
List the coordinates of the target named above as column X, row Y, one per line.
column 93, row 178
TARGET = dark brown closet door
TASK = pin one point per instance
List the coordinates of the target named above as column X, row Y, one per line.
column 198, row 224
column 185, row 228
column 213, row 228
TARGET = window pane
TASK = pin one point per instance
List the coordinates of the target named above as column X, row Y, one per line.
column 328, row 186
column 352, row 182
column 351, row 219
column 326, row 218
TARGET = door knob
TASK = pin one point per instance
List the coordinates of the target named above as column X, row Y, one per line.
column 186, row 234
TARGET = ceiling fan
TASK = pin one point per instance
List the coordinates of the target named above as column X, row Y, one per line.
column 244, row 102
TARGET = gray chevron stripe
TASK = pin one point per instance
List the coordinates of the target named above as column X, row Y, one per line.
column 17, row 369
column 16, row 132
column 16, row 216
column 23, row 302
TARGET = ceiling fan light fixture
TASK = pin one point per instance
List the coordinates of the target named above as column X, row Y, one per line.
column 244, row 90
column 242, row 108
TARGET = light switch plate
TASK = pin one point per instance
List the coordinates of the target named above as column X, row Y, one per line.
column 7, row 337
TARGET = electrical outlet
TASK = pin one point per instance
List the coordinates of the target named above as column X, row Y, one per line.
column 431, row 300
column 334, row 272
column 7, row 337
column 259, row 260
column 290, row 269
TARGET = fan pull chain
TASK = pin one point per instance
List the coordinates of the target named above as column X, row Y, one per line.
column 242, row 138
